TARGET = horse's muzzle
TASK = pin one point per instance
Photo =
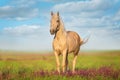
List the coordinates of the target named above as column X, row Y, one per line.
column 52, row 32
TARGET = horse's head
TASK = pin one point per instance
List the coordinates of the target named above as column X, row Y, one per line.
column 55, row 23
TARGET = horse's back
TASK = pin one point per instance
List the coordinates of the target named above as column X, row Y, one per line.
column 73, row 41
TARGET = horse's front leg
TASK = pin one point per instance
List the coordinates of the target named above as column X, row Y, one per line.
column 65, row 60
column 57, row 61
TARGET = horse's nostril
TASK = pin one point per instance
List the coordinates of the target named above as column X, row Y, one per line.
column 51, row 31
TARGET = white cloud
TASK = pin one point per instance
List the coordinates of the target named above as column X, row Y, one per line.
column 116, row 16
column 85, row 6
column 23, row 30
column 18, row 13
column 88, row 13
column 80, row 22
column 24, row 3
column 5, row 8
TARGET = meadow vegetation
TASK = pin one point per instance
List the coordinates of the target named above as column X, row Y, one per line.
column 91, row 65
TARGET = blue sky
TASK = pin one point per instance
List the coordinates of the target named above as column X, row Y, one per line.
column 25, row 24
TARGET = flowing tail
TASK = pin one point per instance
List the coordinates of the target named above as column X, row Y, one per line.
column 85, row 40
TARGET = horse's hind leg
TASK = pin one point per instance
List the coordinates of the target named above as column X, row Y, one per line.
column 57, row 61
column 74, row 63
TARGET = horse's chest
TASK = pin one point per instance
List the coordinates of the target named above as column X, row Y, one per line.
column 59, row 44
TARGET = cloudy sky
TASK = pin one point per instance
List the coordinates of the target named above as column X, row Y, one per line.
column 24, row 24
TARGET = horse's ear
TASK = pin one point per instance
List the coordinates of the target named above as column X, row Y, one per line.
column 58, row 13
column 51, row 13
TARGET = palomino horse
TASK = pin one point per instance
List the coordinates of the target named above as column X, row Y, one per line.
column 64, row 42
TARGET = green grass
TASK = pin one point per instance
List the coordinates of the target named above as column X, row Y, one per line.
column 22, row 65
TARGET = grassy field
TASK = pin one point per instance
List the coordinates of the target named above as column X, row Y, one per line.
column 91, row 65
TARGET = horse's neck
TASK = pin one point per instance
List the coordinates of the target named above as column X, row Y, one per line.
column 62, row 31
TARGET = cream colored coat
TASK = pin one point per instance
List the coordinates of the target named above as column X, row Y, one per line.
column 64, row 42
